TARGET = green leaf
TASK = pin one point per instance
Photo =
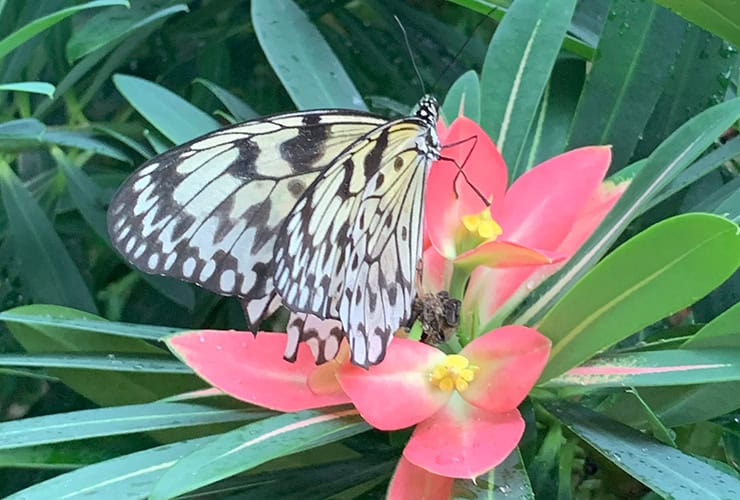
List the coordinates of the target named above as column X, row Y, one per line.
column 299, row 55
column 29, row 133
column 463, row 98
column 721, row 17
column 106, row 387
column 39, row 316
column 697, row 80
column 654, row 368
column 103, row 362
column 72, row 454
column 238, row 108
column 721, row 332
column 708, row 163
column 663, row 165
column 658, row 272
column 114, row 24
column 173, row 116
column 255, row 444
column 555, row 114
column 516, row 69
column 128, row 419
column 509, row 476
column 45, row 266
column 681, row 475
column 35, row 27
column 636, row 49
column 43, row 88
column 129, row 476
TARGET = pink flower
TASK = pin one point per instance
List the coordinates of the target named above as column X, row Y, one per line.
column 464, row 405
column 509, row 239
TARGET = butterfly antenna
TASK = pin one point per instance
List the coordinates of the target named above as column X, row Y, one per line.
column 460, row 50
column 461, row 166
column 411, row 54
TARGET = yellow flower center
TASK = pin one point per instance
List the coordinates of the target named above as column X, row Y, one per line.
column 455, row 372
column 482, row 225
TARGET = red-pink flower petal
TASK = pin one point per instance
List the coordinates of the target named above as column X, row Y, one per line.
column 464, row 441
column 505, row 254
column 449, row 195
column 510, row 360
column 396, row 393
column 541, row 206
column 410, row 481
column 489, row 289
column 436, row 271
column 252, row 368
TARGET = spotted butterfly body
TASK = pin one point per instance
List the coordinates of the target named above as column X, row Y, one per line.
column 320, row 211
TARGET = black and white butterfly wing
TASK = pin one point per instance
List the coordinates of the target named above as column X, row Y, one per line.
column 349, row 248
column 209, row 211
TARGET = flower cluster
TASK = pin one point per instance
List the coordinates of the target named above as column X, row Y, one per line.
column 487, row 245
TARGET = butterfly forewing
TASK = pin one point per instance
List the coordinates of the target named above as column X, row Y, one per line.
column 320, row 211
column 208, row 211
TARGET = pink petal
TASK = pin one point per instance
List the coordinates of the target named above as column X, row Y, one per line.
column 464, row 441
column 489, row 289
column 396, row 393
column 252, row 368
column 541, row 206
column 436, row 271
column 449, row 195
column 505, row 254
column 510, row 360
column 410, row 481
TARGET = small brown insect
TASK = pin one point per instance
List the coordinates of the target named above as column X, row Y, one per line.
column 439, row 315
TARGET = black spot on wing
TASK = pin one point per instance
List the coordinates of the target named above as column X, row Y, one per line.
column 308, row 146
column 374, row 157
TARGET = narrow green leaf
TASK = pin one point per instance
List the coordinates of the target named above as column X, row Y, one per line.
column 681, row 475
column 107, row 387
column 658, row 272
column 708, row 163
column 41, row 315
column 36, row 26
column 507, row 479
column 126, row 419
column 29, row 133
column 463, row 98
column 721, row 332
column 666, row 162
column 721, row 17
column 636, row 48
column 103, row 362
column 255, row 444
column 114, row 24
column 238, row 108
column 43, row 88
column 299, row 55
column 516, row 69
column 555, row 114
column 129, row 476
column 176, row 118
column 654, row 368
column 72, row 454
column 658, row 428
column 696, row 80
column 45, row 266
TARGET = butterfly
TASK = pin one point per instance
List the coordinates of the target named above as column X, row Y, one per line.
column 320, row 211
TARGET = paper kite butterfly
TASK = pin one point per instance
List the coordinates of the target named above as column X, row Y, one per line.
column 320, row 211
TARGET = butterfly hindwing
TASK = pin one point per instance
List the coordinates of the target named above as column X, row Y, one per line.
column 349, row 249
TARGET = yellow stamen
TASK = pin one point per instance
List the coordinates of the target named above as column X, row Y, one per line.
column 455, row 372
column 482, row 225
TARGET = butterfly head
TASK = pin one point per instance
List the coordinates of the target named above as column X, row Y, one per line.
column 428, row 110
